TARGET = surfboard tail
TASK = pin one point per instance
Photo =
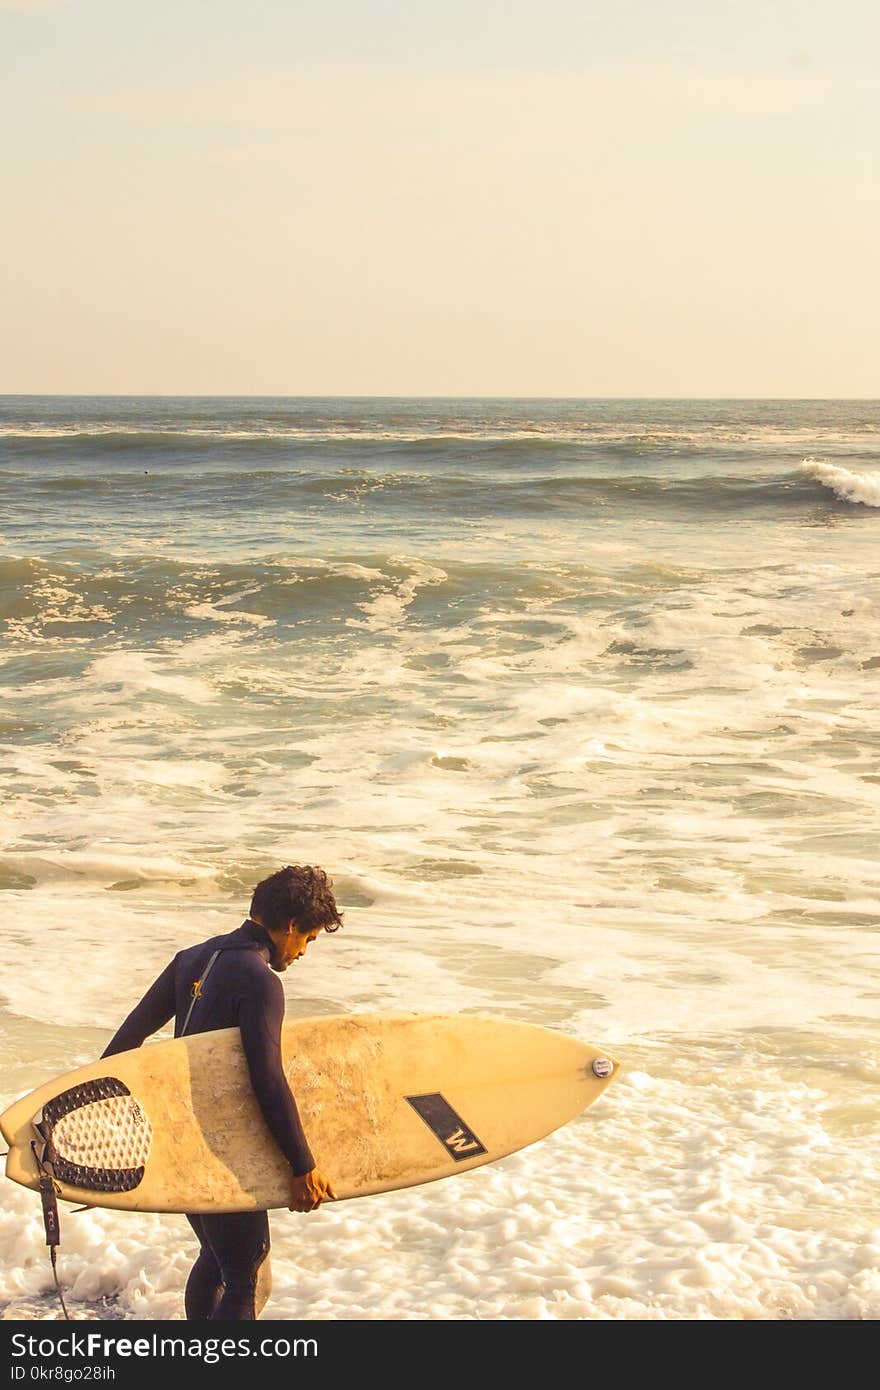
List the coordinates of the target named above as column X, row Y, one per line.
column 5, row 1127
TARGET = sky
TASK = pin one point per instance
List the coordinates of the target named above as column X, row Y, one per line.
column 473, row 197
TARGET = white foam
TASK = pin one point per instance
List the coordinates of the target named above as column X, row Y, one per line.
column 131, row 673
column 215, row 613
column 648, row 822
column 845, row 483
column 494, row 431
column 387, row 609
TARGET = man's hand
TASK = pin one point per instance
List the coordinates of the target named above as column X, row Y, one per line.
column 308, row 1192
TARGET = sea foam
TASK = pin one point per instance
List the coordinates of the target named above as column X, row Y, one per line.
column 844, row 483
column 585, row 733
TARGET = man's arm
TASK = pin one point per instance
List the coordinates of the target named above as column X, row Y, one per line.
column 260, row 1017
column 154, row 1010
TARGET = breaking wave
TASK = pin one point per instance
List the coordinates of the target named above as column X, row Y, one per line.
column 849, row 486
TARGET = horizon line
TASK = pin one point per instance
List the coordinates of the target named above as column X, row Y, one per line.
column 384, row 396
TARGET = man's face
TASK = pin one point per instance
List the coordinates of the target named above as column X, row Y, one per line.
column 292, row 946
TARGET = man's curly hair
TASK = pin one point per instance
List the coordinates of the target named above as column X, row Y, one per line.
column 300, row 892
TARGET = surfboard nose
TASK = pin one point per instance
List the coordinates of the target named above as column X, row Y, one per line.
column 603, row 1068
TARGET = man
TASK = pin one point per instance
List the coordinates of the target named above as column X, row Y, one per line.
column 230, row 1280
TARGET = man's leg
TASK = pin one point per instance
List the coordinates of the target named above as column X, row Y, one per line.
column 205, row 1283
column 239, row 1243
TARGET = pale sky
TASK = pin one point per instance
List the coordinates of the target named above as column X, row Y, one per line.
column 442, row 197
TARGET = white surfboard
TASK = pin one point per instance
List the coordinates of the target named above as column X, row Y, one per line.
column 387, row 1101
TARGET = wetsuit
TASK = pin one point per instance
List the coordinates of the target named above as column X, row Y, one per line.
column 240, row 991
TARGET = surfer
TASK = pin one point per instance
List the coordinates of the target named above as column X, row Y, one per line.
column 228, row 982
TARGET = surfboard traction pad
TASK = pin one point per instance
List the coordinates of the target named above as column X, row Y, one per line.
column 97, row 1136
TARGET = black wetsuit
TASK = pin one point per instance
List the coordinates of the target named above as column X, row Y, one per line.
column 240, row 991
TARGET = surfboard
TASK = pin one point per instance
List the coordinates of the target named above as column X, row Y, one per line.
column 387, row 1101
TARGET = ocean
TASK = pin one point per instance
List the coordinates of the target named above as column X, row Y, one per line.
column 577, row 702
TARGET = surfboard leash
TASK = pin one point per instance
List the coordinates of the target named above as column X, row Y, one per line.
column 49, row 1190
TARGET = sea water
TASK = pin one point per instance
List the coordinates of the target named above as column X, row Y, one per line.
column 577, row 701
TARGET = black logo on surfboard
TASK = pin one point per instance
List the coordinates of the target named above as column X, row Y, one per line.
column 457, row 1138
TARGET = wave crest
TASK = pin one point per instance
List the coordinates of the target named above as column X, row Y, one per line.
column 863, row 488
